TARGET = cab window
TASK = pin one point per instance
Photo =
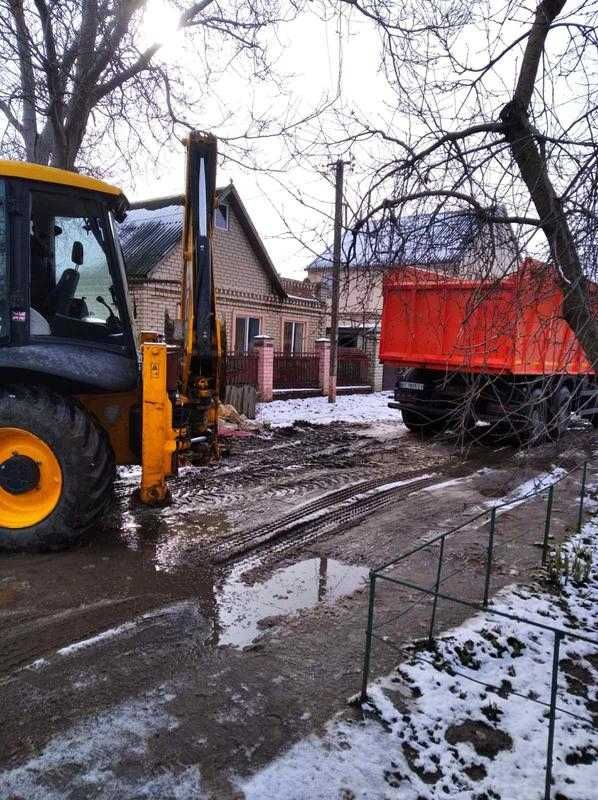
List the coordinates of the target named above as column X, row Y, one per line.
column 72, row 290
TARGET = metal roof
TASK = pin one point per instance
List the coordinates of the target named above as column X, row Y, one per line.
column 147, row 235
column 37, row 172
column 419, row 240
column 153, row 227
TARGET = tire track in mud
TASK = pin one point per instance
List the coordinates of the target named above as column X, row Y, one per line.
column 33, row 638
column 191, row 502
column 333, row 511
column 277, row 479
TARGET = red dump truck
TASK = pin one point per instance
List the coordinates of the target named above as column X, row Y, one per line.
column 485, row 354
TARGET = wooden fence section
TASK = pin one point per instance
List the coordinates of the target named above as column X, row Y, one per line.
column 296, row 371
column 243, row 398
column 353, row 367
column 241, row 369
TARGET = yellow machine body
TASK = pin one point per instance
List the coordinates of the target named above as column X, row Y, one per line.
column 159, row 439
column 198, row 374
column 167, row 409
column 113, row 412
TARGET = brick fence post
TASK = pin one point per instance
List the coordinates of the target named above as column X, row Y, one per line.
column 323, row 351
column 376, row 370
column 264, row 348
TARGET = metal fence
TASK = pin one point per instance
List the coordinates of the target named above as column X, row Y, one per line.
column 296, row 371
column 434, row 593
column 241, row 369
column 353, row 367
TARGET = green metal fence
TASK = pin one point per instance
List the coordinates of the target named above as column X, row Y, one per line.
column 435, row 594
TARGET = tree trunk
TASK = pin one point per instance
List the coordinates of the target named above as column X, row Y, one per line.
column 577, row 308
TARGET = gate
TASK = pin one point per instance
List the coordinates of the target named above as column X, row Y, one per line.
column 353, row 367
column 241, row 369
column 296, row 371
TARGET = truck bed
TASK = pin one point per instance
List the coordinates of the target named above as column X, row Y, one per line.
column 512, row 326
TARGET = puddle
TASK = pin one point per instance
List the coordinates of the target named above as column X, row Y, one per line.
column 241, row 608
column 182, row 541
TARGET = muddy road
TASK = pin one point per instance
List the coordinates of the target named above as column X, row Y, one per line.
column 156, row 660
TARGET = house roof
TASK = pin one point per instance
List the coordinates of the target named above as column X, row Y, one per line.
column 153, row 227
column 304, row 290
column 148, row 234
column 419, row 240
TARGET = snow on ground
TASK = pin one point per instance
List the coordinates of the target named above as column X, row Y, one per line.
column 452, row 737
column 352, row 408
column 85, row 760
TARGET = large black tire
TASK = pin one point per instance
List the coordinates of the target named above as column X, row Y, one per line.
column 83, row 452
column 415, row 421
column 419, row 424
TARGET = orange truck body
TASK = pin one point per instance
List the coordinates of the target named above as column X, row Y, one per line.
column 512, row 326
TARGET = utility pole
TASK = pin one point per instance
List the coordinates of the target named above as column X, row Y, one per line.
column 336, row 273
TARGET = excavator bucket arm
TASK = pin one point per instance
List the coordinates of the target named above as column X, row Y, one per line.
column 184, row 423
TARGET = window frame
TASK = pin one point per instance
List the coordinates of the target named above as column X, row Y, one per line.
column 118, row 274
column 226, row 226
column 294, row 322
column 5, row 301
column 246, row 317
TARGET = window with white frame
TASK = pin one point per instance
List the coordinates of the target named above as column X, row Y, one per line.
column 221, row 217
column 293, row 337
column 246, row 329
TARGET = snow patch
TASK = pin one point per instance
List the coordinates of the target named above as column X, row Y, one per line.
column 351, row 408
column 69, row 649
column 427, row 752
column 83, row 761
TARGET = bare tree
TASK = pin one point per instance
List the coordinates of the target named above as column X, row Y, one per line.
column 76, row 73
column 495, row 111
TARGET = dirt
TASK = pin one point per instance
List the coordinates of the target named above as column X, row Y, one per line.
column 427, row 776
column 144, row 662
column 486, row 740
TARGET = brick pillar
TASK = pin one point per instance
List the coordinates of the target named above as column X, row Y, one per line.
column 323, row 351
column 264, row 347
column 372, row 348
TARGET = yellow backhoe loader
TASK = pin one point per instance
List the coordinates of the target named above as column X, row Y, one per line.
column 78, row 393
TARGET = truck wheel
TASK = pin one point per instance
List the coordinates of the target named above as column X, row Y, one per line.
column 536, row 429
column 56, row 470
column 417, row 423
column 560, row 411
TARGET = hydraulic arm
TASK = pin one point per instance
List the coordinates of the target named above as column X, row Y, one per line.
column 181, row 378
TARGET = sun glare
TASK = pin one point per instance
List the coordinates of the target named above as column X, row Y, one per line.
column 160, row 22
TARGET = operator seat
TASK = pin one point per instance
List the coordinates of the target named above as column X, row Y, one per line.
column 60, row 297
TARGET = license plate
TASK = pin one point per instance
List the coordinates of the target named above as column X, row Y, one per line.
column 415, row 387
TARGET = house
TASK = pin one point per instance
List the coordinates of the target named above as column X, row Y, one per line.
column 251, row 297
column 456, row 242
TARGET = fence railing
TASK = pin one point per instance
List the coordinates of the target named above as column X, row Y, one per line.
column 296, row 371
column 241, row 369
column 352, row 367
column 434, row 592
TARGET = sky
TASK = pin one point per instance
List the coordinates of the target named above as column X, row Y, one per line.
column 289, row 192
column 309, row 51
column 335, row 62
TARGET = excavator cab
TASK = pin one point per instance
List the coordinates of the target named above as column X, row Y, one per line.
column 76, row 281
column 64, row 316
column 79, row 393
